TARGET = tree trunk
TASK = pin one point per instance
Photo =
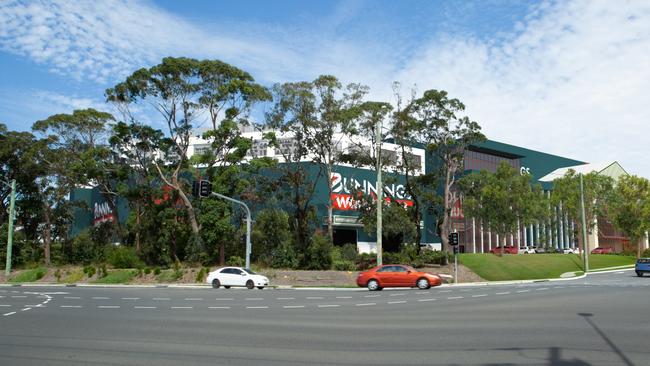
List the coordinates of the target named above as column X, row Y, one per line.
column 222, row 254
column 137, row 231
column 444, row 230
column 47, row 235
column 330, row 216
column 189, row 208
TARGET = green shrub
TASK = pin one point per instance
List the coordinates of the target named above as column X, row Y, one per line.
column 365, row 261
column 646, row 253
column 147, row 270
column 396, row 258
column 319, row 253
column 409, row 251
column 284, row 256
column 156, row 271
column 344, row 265
column 202, row 274
column 118, row 276
column 57, row 275
column 89, row 271
column 30, row 275
column 236, row 261
column 628, row 252
column 349, row 252
column 124, row 257
column 432, row 257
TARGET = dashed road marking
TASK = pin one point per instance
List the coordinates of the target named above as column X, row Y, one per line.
column 344, row 297
column 130, row 298
column 422, row 293
column 71, row 306
column 182, row 307
column 293, row 306
column 218, row 307
column 503, row 293
column 257, row 307
column 193, row 299
column 254, row 299
column 108, row 307
column 444, row 291
column 480, row 295
column 542, row 289
column 100, row 298
column 366, row 304
column 18, row 297
column 72, row 297
column 25, row 309
column 315, row 298
column 397, row 302
column 423, row 300
column 145, row 307
column 397, row 294
column 5, row 306
column 372, row 295
column 7, row 314
column 328, row 306
column 161, row 298
column 520, row 291
column 455, row 297
column 224, row 299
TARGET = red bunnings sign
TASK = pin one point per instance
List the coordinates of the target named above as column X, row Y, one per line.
column 102, row 213
column 343, row 188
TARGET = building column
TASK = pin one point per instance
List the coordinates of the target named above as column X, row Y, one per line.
column 489, row 239
column 481, row 230
column 532, row 234
column 473, row 236
column 647, row 238
column 518, row 234
column 560, row 222
column 497, row 238
column 573, row 234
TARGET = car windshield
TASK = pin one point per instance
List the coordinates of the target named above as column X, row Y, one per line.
column 249, row 271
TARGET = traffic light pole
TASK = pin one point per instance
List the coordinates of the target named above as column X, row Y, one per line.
column 248, row 225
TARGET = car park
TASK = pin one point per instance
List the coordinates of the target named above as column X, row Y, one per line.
column 602, row 250
column 508, row 249
column 396, row 275
column 236, row 277
column 642, row 266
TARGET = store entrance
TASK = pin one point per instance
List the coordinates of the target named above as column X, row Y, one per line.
column 344, row 236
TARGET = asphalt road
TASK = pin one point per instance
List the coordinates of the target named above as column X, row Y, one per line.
column 600, row 320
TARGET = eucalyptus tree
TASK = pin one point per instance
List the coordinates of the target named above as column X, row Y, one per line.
column 333, row 111
column 504, row 199
column 78, row 153
column 289, row 118
column 630, row 208
column 435, row 121
column 597, row 191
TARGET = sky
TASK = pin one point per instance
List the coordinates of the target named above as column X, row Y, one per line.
column 566, row 77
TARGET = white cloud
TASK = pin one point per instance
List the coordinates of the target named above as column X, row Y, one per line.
column 570, row 79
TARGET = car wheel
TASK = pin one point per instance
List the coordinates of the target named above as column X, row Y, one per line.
column 373, row 285
column 216, row 283
column 260, row 287
column 226, row 287
column 250, row 285
column 423, row 284
column 639, row 273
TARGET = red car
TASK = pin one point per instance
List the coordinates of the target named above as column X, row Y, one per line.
column 602, row 250
column 508, row 249
column 396, row 275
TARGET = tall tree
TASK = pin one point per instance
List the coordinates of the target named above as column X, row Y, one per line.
column 597, row 193
column 630, row 208
column 435, row 121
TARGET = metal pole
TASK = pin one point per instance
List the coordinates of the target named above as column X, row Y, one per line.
column 10, row 229
column 585, row 251
column 380, row 191
column 248, row 226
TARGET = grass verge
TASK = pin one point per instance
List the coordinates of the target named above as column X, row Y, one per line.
column 118, row 276
column 30, row 275
column 535, row 266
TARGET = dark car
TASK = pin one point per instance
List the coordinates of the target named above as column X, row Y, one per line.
column 396, row 275
column 642, row 266
column 508, row 249
column 602, row 250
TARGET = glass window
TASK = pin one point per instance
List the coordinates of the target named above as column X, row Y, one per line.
column 386, row 269
column 236, row 271
column 226, row 270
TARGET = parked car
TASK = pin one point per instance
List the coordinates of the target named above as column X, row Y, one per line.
column 540, row 250
column 602, row 250
column 396, row 275
column 508, row 249
column 236, row 276
column 526, row 250
column 569, row 250
column 642, row 266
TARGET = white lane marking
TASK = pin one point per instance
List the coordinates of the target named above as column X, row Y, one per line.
column 145, row 307
column 257, row 307
column 218, row 307
column 396, row 302
column 372, row 295
column 542, row 289
column 520, row 291
column 481, row 295
column 182, row 307
column 422, row 293
column 161, row 298
column 344, row 297
column 366, row 304
column 254, row 299
column 503, row 293
column 455, row 297
column 5, row 306
column 72, row 297
column 71, row 306
column 224, row 299
column 328, row 306
column 108, row 307
column 35, row 306
column 130, row 298
column 7, row 314
column 193, row 299
column 559, row 286
column 54, row 293
column 293, row 306
column 444, row 291
column 286, row 298
column 315, row 298
column 620, row 272
column 25, row 309
column 423, row 300
column 18, row 297
column 100, row 298
column 397, row 294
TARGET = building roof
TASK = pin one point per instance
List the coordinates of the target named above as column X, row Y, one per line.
column 612, row 169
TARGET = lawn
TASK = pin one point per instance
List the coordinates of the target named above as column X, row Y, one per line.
column 535, row 266
column 30, row 275
column 118, row 276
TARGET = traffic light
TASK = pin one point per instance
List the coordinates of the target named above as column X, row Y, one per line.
column 453, row 238
column 195, row 188
column 205, row 189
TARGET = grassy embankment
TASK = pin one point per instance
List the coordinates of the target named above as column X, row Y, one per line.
column 535, row 266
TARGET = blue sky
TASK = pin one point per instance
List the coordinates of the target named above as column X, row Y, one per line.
column 565, row 77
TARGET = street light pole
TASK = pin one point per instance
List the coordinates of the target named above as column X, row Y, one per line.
column 380, row 191
column 10, row 229
column 585, row 247
column 248, row 226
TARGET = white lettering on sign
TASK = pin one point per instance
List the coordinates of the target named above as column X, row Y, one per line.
column 341, row 184
column 102, row 213
column 524, row 170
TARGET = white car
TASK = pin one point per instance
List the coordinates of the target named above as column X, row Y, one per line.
column 526, row 250
column 236, row 276
column 569, row 250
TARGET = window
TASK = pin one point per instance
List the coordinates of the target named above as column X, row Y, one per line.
column 235, row 271
column 400, row 269
column 414, row 161
column 258, row 149
column 386, row 269
column 286, row 147
column 226, row 270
